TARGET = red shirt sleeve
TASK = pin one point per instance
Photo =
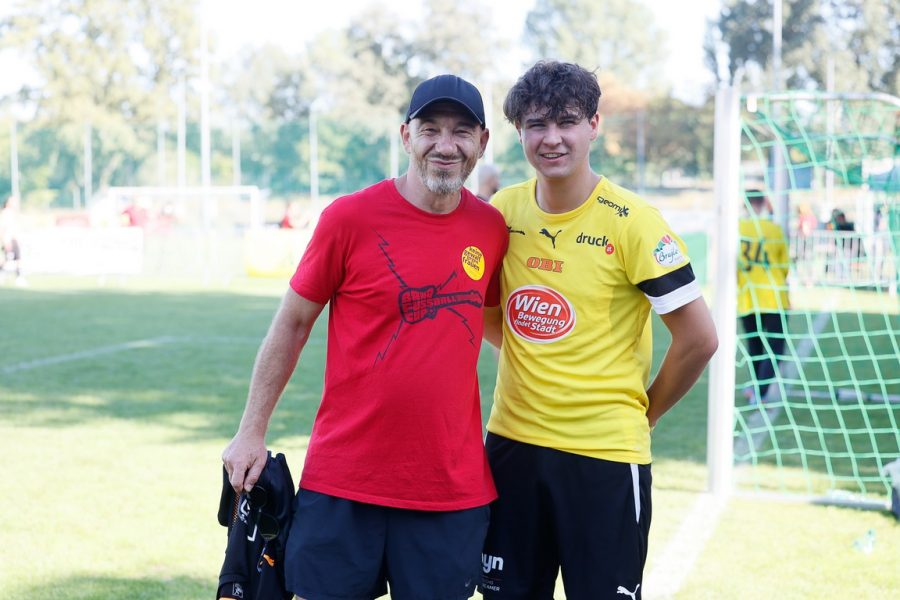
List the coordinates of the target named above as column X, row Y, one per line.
column 321, row 269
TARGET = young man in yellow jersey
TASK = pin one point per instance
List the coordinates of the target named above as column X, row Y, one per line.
column 762, row 291
column 569, row 433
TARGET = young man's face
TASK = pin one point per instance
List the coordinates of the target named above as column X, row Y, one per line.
column 558, row 148
column 444, row 143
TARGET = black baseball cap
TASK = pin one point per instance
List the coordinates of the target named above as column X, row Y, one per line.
column 449, row 88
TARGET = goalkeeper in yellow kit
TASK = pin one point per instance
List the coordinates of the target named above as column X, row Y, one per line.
column 762, row 291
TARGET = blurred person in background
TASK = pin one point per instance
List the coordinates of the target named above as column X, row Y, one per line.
column 839, row 221
column 11, row 260
column 847, row 246
column 569, row 433
column 137, row 213
column 807, row 223
column 488, row 181
column 763, row 262
column 293, row 216
column 395, row 487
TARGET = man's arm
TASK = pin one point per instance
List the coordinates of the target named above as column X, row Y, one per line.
column 694, row 341
column 245, row 456
column 493, row 325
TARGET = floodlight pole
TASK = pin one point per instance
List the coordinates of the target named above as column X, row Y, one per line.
column 209, row 207
column 13, row 158
column 87, row 165
column 489, row 117
column 641, row 144
column 829, row 133
column 205, row 175
column 236, row 153
column 313, row 155
column 394, row 140
column 161, row 131
column 779, row 164
column 182, row 133
column 776, row 44
column 205, row 168
column 724, row 246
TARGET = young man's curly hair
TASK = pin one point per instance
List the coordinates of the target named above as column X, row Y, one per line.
column 555, row 87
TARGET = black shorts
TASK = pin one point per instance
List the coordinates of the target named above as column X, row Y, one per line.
column 338, row 549
column 587, row 516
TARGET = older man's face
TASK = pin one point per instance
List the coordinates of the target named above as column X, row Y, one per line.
column 444, row 142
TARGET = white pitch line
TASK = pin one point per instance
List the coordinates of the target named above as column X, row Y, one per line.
column 93, row 352
column 113, row 348
column 678, row 558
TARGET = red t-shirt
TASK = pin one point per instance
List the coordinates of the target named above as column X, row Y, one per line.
column 400, row 420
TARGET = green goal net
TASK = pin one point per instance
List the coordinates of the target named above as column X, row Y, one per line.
column 817, row 346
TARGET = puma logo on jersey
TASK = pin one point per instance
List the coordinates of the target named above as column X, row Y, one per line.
column 546, row 233
column 623, row 590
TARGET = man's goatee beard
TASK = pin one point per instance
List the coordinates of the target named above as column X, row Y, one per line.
column 443, row 185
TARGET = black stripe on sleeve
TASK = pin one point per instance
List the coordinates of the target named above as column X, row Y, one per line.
column 667, row 283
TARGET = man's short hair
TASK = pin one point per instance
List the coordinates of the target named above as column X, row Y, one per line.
column 553, row 87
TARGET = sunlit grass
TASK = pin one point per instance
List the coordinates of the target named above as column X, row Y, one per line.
column 113, row 458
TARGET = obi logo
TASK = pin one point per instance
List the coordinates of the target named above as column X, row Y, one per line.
column 539, row 314
column 544, row 264
column 667, row 253
column 473, row 262
column 601, row 241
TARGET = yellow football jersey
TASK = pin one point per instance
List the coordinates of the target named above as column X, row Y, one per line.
column 576, row 293
column 763, row 262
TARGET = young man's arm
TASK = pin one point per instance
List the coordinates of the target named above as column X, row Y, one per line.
column 493, row 325
column 245, row 456
column 694, row 341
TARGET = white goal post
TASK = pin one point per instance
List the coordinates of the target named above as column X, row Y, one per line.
column 812, row 406
column 207, row 207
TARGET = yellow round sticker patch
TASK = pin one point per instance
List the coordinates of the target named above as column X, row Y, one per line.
column 473, row 262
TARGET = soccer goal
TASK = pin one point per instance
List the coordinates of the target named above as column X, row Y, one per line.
column 192, row 232
column 214, row 207
column 822, row 420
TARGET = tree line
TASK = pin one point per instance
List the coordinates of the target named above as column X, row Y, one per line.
column 118, row 75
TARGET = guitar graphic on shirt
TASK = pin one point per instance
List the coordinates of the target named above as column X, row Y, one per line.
column 423, row 302
column 418, row 304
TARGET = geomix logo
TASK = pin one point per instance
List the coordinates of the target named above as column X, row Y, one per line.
column 539, row 314
column 622, row 211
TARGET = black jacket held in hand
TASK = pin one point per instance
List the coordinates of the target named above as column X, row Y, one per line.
column 258, row 522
